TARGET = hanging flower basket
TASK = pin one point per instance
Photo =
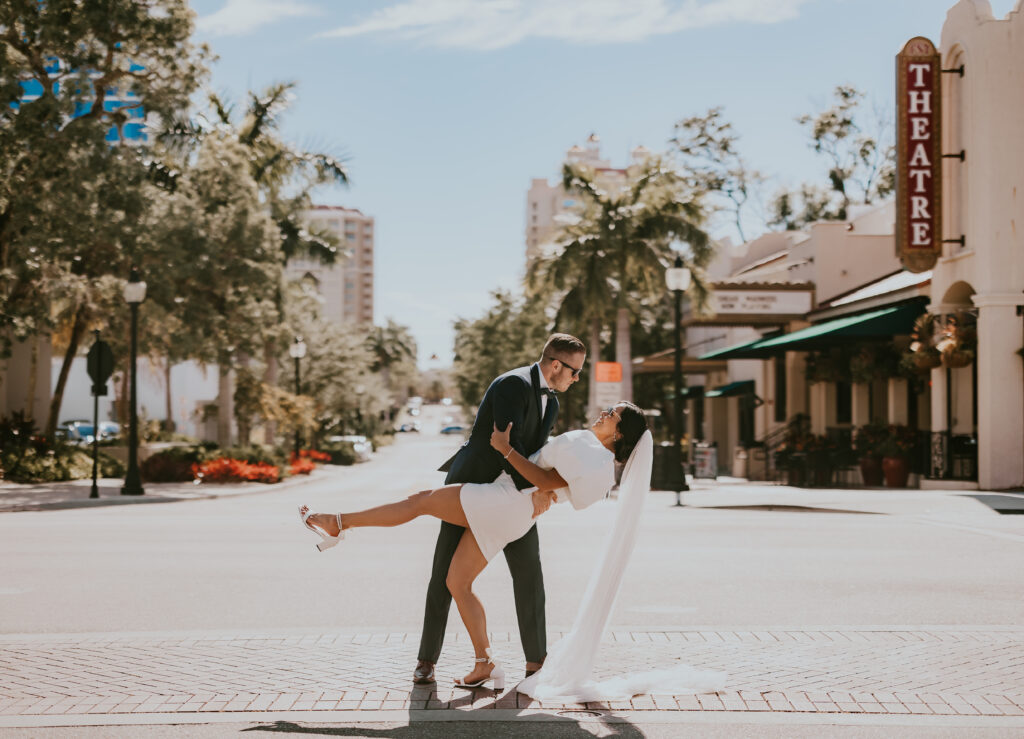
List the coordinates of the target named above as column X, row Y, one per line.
column 926, row 360
column 958, row 358
column 959, row 343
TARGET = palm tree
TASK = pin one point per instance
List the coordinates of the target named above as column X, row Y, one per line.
column 285, row 175
column 613, row 254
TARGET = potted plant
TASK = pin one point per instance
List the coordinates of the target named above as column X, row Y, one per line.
column 820, row 452
column 868, row 443
column 899, row 444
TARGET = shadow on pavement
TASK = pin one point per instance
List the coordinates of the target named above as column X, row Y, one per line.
column 1006, row 504
column 550, row 726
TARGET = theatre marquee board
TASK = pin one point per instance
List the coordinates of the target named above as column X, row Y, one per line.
column 761, row 302
column 918, row 155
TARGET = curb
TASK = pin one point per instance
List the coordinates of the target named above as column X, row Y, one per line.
column 199, row 494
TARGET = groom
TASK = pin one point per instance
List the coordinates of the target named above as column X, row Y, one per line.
column 524, row 397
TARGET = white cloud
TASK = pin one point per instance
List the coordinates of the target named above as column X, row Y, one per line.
column 492, row 24
column 239, row 17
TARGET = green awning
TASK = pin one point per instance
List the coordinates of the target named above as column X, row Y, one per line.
column 742, row 387
column 882, row 323
column 737, row 351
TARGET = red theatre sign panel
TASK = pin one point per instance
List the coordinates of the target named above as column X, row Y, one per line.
column 918, row 155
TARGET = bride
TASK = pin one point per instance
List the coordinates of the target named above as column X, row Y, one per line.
column 578, row 467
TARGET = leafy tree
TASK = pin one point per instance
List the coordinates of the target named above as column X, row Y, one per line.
column 70, row 203
column 623, row 235
column 706, row 147
column 861, row 163
column 394, row 350
column 217, row 245
column 511, row 333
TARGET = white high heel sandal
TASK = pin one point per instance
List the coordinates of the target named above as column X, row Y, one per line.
column 326, row 542
column 497, row 675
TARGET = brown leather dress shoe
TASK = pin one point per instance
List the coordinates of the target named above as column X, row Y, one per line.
column 424, row 673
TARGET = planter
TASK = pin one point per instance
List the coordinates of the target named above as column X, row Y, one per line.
column 926, row 360
column 871, row 471
column 896, row 471
column 821, row 476
column 957, row 358
column 796, row 475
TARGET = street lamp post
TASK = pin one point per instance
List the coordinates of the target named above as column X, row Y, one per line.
column 677, row 279
column 134, row 294
column 297, row 351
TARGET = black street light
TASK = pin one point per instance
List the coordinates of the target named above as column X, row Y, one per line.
column 677, row 279
column 134, row 294
column 297, row 351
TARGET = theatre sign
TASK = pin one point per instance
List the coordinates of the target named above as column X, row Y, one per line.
column 918, row 155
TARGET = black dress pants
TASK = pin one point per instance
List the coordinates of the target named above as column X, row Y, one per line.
column 523, row 557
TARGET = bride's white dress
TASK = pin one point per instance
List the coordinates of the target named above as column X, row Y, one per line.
column 497, row 513
column 566, row 674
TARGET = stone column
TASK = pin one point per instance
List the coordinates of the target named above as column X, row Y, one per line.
column 860, row 410
column 1000, row 391
column 896, row 401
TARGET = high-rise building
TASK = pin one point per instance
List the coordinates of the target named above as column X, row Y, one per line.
column 546, row 202
column 346, row 285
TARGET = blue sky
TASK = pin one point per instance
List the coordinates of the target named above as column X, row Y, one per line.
column 446, row 109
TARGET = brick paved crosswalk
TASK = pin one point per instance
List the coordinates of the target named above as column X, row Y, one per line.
column 949, row 671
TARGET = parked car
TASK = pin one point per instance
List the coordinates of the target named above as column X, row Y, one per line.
column 453, row 429
column 109, row 430
column 414, row 426
column 362, row 446
column 446, row 401
column 76, row 432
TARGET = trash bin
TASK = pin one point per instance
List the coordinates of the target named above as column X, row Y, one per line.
column 705, row 461
column 757, row 463
column 739, row 463
column 668, row 472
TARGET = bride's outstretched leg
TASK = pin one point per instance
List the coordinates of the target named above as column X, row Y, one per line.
column 443, row 503
column 467, row 563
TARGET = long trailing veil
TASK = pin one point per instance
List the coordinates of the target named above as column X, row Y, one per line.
column 567, row 670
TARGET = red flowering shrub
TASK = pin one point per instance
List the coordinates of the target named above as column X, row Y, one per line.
column 235, row 470
column 302, row 466
column 311, row 454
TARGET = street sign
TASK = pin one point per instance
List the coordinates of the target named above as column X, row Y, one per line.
column 100, row 365
column 608, row 383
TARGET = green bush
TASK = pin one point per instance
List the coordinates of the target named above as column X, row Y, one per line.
column 174, row 464
column 63, row 462
column 255, row 454
column 341, row 452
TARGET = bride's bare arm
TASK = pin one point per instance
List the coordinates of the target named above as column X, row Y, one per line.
column 545, row 480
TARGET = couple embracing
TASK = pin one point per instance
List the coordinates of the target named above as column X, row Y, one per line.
column 506, row 475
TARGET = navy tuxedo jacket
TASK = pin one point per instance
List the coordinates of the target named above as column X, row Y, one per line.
column 514, row 396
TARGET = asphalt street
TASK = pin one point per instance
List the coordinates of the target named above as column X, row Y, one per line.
column 247, row 563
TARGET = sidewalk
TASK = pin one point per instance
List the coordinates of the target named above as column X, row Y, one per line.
column 75, row 493
column 914, row 675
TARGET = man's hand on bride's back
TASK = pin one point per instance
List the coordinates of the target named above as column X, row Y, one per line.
column 542, row 500
column 500, row 439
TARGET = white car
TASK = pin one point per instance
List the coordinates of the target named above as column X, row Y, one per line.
column 362, row 446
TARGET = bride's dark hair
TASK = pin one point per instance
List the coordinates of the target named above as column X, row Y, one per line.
column 632, row 427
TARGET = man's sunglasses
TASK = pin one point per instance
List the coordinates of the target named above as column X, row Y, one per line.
column 575, row 372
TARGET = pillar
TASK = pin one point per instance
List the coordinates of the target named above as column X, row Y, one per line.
column 1000, row 391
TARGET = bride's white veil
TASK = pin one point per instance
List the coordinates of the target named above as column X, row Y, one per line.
column 567, row 670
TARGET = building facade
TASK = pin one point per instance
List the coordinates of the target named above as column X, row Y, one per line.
column 546, row 202
column 969, row 413
column 347, row 285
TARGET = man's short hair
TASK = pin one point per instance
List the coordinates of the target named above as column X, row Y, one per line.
column 563, row 344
